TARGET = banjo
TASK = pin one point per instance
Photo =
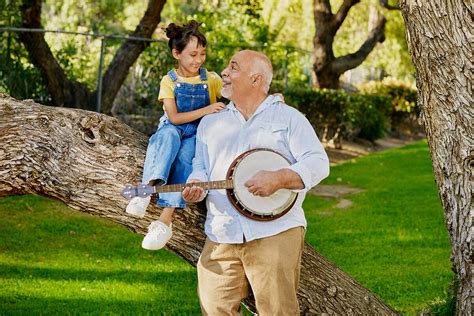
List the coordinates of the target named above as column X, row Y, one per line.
column 242, row 168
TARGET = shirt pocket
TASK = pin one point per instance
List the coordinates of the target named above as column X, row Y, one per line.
column 272, row 136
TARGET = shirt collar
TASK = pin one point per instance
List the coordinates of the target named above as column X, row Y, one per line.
column 269, row 100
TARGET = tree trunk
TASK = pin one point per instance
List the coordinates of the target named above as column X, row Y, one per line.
column 65, row 92
column 327, row 67
column 84, row 159
column 439, row 35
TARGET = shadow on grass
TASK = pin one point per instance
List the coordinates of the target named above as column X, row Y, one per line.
column 30, row 305
column 125, row 275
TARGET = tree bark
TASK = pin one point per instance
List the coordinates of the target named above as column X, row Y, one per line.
column 439, row 35
column 84, row 159
column 65, row 92
column 327, row 67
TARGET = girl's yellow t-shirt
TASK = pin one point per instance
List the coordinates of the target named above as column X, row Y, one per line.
column 213, row 80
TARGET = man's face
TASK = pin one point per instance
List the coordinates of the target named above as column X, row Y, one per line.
column 236, row 76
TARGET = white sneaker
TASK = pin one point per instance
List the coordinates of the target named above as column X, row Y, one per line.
column 158, row 235
column 137, row 206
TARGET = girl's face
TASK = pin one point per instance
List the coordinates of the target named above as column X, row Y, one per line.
column 191, row 58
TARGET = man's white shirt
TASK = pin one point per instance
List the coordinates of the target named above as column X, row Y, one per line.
column 223, row 136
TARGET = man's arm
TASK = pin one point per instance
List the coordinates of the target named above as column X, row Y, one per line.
column 265, row 183
column 311, row 166
column 199, row 174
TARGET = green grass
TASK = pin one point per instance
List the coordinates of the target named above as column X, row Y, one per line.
column 58, row 261
column 393, row 240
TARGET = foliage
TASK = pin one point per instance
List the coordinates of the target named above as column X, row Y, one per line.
column 18, row 77
column 367, row 115
column 80, row 55
column 403, row 95
column 404, row 108
column 392, row 239
column 283, row 29
column 445, row 306
column 356, row 115
column 392, row 55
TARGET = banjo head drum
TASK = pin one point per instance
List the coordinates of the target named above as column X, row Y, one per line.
column 258, row 208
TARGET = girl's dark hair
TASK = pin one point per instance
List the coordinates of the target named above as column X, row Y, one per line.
column 179, row 36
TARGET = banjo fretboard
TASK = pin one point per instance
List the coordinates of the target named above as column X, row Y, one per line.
column 210, row 185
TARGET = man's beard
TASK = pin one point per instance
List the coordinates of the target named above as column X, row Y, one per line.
column 226, row 92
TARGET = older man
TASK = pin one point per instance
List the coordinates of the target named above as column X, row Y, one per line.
column 240, row 252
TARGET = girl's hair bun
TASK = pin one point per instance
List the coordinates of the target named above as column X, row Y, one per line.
column 179, row 36
column 174, row 31
column 192, row 26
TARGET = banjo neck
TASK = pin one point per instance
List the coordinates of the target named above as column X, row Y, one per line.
column 208, row 185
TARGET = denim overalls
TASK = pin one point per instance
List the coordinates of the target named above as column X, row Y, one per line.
column 171, row 149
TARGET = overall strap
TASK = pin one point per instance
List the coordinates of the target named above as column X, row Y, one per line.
column 173, row 76
column 202, row 72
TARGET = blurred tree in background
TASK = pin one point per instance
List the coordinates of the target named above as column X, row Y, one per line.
column 63, row 89
column 282, row 29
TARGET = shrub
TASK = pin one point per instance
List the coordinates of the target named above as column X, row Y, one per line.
column 367, row 115
column 404, row 108
column 336, row 114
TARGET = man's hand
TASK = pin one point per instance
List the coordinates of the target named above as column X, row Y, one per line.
column 263, row 183
column 193, row 194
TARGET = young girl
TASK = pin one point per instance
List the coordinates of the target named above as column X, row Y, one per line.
column 188, row 93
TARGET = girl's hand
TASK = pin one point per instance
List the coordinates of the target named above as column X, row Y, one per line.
column 280, row 96
column 215, row 107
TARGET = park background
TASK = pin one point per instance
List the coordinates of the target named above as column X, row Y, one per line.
column 391, row 238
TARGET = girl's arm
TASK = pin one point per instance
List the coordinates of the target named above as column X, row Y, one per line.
column 178, row 118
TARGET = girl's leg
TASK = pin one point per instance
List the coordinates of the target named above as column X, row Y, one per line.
column 160, row 231
column 179, row 173
column 167, row 215
column 162, row 149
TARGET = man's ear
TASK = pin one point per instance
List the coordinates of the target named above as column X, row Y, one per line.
column 175, row 53
column 256, row 79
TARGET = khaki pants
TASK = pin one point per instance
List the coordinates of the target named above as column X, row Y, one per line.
column 270, row 265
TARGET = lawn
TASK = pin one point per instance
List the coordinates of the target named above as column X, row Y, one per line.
column 392, row 239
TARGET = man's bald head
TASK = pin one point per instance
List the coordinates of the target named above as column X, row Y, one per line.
column 259, row 63
column 247, row 76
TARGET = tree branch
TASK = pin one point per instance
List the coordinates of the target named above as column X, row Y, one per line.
column 322, row 6
column 376, row 35
column 128, row 53
column 59, row 86
column 341, row 14
column 386, row 5
column 85, row 158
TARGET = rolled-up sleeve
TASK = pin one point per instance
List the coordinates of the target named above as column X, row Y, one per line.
column 312, row 163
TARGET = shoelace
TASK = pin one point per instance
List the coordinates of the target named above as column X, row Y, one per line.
column 158, row 226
